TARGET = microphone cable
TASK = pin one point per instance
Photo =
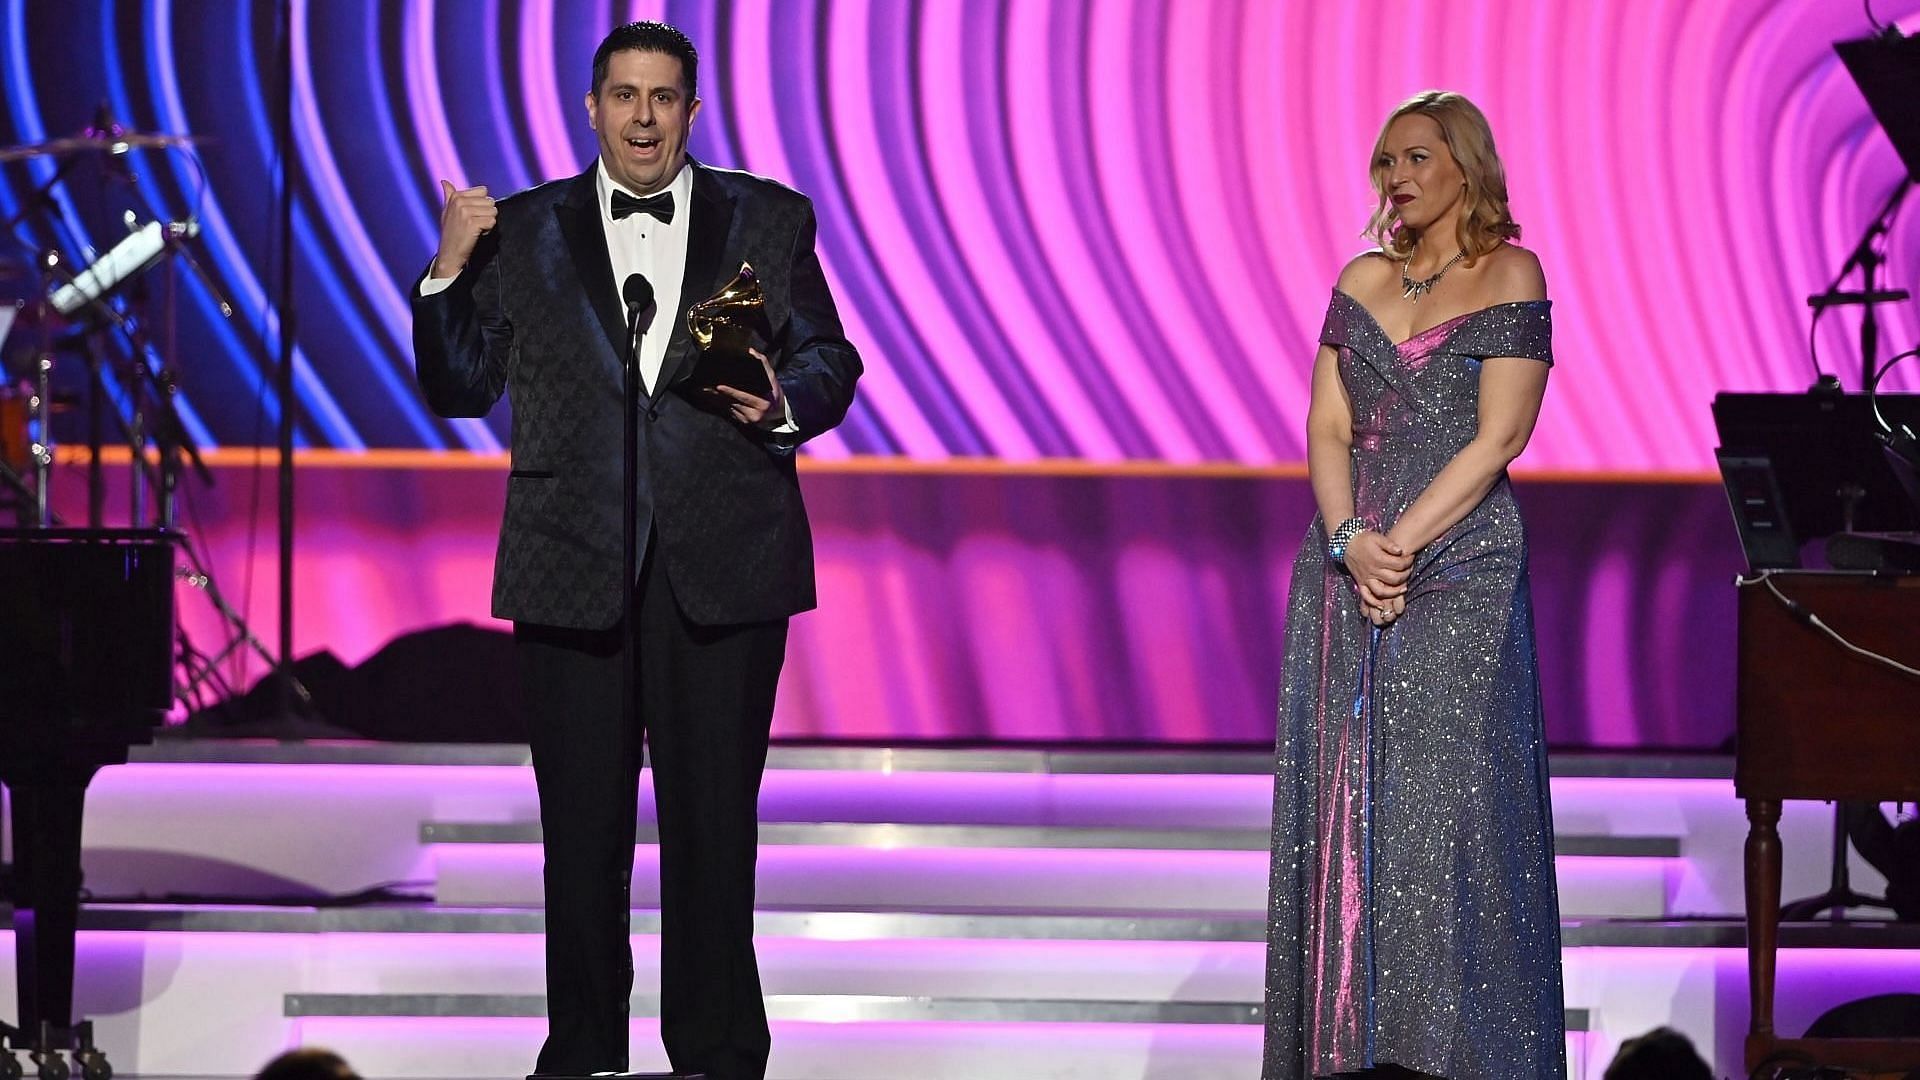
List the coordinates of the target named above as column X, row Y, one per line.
column 1806, row 617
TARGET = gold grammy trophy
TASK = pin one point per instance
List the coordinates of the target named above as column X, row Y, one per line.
column 725, row 325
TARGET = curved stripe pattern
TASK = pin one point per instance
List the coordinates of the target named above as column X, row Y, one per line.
column 1097, row 229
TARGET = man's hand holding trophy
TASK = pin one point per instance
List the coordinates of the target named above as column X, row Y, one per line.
column 730, row 371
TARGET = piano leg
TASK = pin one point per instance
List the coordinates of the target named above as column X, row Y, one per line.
column 1763, row 922
column 46, row 886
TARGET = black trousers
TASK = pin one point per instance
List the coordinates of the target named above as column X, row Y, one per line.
column 704, row 707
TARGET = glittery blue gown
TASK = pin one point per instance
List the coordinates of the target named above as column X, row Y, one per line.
column 1412, row 915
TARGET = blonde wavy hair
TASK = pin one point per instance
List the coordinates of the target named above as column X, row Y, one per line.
column 1486, row 222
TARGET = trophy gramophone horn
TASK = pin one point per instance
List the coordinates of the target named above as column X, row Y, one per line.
column 728, row 314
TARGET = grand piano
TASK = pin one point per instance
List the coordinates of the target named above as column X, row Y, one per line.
column 86, row 631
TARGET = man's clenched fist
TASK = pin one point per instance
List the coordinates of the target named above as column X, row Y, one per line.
column 468, row 214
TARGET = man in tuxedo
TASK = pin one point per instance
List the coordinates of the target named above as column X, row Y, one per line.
column 524, row 297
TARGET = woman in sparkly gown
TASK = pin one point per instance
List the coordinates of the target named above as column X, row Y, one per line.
column 1413, row 926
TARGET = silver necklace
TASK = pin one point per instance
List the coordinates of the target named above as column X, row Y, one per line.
column 1417, row 289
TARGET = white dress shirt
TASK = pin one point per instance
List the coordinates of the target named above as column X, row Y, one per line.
column 657, row 250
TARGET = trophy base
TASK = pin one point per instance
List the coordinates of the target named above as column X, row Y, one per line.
column 720, row 366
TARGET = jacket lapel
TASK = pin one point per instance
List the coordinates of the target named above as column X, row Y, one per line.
column 579, row 217
column 707, row 233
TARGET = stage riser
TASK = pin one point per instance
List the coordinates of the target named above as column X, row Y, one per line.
column 250, row 830
column 1645, row 845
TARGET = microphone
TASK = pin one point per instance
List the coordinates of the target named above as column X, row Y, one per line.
column 638, row 293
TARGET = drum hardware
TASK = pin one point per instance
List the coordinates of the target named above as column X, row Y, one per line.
column 75, row 145
column 87, row 292
column 82, row 297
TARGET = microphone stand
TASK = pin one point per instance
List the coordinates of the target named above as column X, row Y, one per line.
column 43, row 414
column 630, row 494
column 1868, row 260
column 638, row 294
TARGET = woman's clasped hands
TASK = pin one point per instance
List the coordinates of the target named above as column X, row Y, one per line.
column 1380, row 571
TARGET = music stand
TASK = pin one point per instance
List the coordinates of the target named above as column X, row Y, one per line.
column 1886, row 68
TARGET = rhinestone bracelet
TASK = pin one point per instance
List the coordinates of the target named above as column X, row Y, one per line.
column 1342, row 536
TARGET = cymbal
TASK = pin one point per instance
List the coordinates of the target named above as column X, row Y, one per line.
column 105, row 144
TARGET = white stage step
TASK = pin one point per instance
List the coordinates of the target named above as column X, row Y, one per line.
column 1062, row 879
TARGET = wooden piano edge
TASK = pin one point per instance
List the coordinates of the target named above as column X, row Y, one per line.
column 1855, row 1054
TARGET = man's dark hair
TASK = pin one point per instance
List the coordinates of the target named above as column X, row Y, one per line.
column 1660, row 1054
column 653, row 37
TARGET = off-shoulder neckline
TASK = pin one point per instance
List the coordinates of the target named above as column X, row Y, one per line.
column 1455, row 321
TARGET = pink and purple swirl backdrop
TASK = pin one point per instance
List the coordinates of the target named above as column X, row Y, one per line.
column 995, row 605
column 1094, row 229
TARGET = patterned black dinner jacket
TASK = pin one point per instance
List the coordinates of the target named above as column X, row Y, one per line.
column 536, row 315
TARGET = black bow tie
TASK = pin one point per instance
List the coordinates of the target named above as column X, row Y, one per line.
column 660, row 206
